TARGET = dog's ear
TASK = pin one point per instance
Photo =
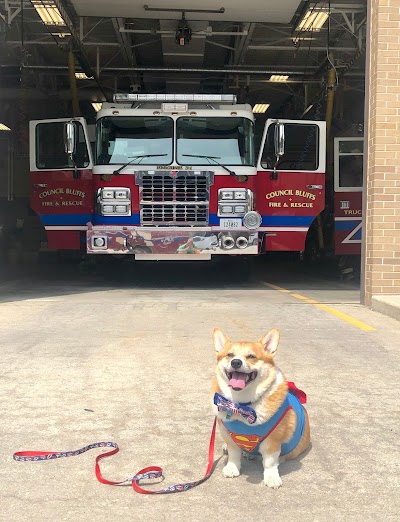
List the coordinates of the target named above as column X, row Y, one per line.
column 220, row 339
column 270, row 341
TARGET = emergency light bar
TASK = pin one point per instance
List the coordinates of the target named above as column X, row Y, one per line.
column 221, row 98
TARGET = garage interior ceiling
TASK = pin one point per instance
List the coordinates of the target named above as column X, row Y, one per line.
column 235, row 47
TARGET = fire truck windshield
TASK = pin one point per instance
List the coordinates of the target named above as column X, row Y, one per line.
column 231, row 139
column 120, row 138
column 198, row 139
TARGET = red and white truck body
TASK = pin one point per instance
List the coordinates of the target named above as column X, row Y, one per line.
column 175, row 177
column 348, row 181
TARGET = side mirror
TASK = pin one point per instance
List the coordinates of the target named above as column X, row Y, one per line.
column 279, row 145
column 279, row 140
column 70, row 138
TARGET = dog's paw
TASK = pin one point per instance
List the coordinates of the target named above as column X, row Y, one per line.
column 231, row 470
column 272, row 478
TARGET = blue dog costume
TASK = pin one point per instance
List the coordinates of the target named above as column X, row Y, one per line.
column 249, row 436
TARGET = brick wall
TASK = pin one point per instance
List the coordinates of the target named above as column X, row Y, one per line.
column 381, row 248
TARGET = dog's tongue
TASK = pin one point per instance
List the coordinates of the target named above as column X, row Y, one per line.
column 238, row 380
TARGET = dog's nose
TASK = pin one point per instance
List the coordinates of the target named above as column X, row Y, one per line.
column 236, row 364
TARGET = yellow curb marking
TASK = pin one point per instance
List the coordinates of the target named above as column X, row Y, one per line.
column 340, row 315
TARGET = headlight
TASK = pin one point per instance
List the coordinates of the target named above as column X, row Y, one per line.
column 121, row 194
column 107, row 194
column 252, row 220
column 225, row 194
column 227, row 199
column 107, row 209
column 114, row 200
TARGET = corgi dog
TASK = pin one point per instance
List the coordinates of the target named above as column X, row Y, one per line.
column 258, row 410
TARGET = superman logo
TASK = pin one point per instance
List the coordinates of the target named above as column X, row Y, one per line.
column 246, row 442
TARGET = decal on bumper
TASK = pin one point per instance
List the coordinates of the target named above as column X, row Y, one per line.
column 134, row 240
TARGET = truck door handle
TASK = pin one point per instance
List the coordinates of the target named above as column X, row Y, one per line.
column 40, row 185
column 314, row 187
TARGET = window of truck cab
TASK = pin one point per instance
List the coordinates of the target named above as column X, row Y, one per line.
column 50, row 147
column 301, row 148
column 120, row 138
column 228, row 140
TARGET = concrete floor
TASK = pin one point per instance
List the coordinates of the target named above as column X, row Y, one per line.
column 126, row 356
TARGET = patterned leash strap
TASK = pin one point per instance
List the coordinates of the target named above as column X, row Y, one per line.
column 148, row 473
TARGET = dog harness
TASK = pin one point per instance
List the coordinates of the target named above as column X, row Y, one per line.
column 249, row 436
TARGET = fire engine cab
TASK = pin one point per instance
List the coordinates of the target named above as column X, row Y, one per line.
column 175, row 177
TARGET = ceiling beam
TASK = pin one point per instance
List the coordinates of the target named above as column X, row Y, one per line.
column 183, row 70
column 243, row 43
column 123, row 41
column 77, row 44
column 294, row 49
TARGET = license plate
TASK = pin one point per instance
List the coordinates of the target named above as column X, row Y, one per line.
column 228, row 223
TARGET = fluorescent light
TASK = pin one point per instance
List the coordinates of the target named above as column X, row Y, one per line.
column 313, row 20
column 61, row 35
column 82, row 76
column 96, row 106
column 4, row 127
column 260, row 107
column 48, row 12
column 278, row 78
column 308, row 109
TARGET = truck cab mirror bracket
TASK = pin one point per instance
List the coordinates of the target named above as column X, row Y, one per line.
column 70, row 139
column 279, row 146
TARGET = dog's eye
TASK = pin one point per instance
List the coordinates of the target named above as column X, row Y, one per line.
column 230, row 354
column 251, row 356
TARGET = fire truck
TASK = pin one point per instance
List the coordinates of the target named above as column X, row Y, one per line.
column 348, row 184
column 169, row 176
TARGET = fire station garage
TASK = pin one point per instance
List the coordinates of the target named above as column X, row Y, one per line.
column 182, row 131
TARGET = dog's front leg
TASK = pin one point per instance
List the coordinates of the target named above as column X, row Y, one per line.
column 270, row 455
column 232, row 467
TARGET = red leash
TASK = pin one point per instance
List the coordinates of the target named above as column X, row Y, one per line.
column 150, row 472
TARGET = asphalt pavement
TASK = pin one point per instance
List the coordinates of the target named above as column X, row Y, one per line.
column 126, row 356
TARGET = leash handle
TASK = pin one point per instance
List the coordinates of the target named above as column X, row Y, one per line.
column 150, row 472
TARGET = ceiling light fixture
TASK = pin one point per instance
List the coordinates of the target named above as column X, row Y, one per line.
column 313, row 20
column 279, row 78
column 61, row 35
column 260, row 108
column 82, row 76
column 97, row 106
column 4, row 127
column 48, row 12
column 307, row 110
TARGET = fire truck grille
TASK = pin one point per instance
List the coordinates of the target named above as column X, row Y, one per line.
column 179, row 199
column 174, row 214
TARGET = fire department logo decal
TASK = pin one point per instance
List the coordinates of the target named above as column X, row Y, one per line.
column 246, row 442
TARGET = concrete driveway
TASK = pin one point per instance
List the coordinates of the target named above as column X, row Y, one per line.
column 130, row 360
